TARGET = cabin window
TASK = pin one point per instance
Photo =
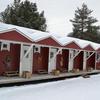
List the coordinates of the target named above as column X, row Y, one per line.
column 37, row 49
column 51, row 54
column 25, row 53
column 71, row 54
column 74, row 53
column 57, row 49
column 5, row 46
column 98, row 57
column 87, row 54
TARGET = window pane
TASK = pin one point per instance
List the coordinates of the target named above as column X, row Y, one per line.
column 25, row 53
column 51, row 55
column 4, row 45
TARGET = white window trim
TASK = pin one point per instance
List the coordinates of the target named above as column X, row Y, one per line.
column 88, row 54
column 75, row 52
column 60, row 52
column 39, row 49
column 2, row 46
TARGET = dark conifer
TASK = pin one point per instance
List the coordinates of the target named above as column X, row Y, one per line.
column 24, row 14
column 84, row 24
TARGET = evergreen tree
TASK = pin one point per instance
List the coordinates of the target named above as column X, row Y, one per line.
column 24, row 14
column 83, row 22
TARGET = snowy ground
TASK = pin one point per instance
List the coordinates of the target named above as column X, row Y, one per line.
column 70, row 89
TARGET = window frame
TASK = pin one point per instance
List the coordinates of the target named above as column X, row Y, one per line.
column 5, row 48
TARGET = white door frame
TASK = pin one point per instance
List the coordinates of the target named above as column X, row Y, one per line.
column 84, row 60
column 22, row 57
column 53, row 59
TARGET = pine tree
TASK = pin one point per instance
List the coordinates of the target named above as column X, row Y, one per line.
column 83, row 21
column 24, row 14
column 90, row 27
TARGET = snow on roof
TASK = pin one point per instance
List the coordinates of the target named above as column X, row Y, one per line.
column 67, row 40
column 36, row 35
column 82, row 43
column 33, row 34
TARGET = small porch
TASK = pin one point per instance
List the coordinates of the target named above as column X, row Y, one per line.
column 76, row 60
column 14, row 57
column 89, row 60
column 62, row 61
column 40, row 59
column 9, row 57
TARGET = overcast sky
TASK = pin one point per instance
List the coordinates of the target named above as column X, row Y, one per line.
column 59, row 12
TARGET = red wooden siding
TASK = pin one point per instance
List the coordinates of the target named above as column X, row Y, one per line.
column 58, row 59
column 89, row 47
column 40, row 60
column 62, row 60
column 49, row 41
column 98, row 65
column 78, row 61
column 14, row 36
column 98, row 50
column 91, row 62
column 14, row 53
column 72, row 45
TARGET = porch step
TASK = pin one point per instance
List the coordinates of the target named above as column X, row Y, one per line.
column 42, row 72
column 11, row 73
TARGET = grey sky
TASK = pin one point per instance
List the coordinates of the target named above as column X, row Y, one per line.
column 59, row 12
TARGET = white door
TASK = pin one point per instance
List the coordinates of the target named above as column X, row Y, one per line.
column 52, row 59
column 84, row 60
column 71, row 61
column 27, row 61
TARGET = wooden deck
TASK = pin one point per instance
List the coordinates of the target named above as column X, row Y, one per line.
column 36, row 78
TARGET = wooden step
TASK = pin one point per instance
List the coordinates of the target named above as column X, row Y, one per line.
column 42, row 72
column 11, row 73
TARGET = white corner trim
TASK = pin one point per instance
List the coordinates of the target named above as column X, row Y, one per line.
column 7, row 44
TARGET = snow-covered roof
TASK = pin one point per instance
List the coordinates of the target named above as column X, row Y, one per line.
column 35, row 35
column 81, row 43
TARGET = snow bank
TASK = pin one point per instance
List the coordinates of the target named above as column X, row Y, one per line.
column 72, row 89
